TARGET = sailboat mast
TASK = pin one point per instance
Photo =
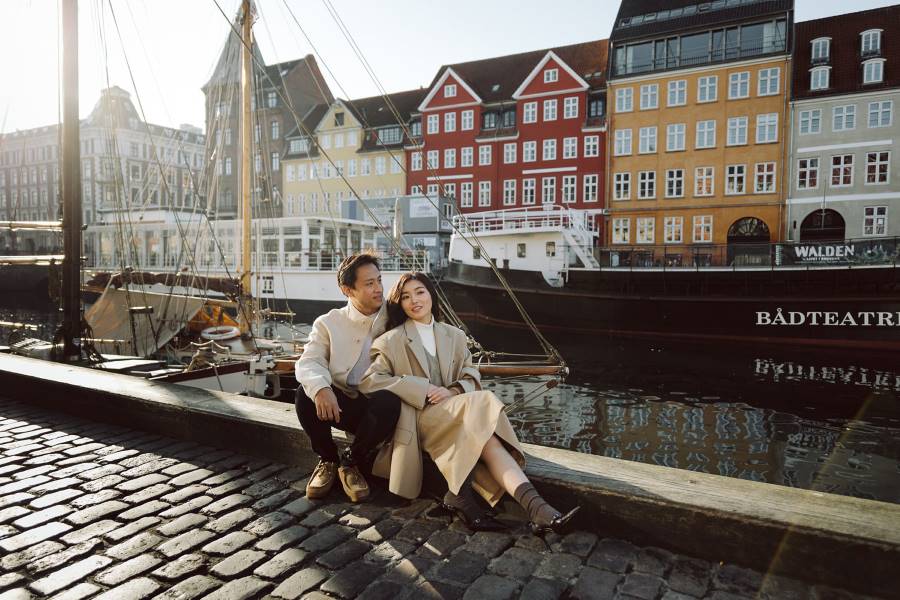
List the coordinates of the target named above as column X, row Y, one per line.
column 71, row 185
column 246, row 317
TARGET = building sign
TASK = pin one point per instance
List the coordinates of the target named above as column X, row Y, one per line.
column 422, row 208
column 856, row 252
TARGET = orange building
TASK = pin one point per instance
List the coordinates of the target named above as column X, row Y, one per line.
column 698, row 131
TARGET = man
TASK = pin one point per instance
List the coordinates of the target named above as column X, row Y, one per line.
column 334, row 360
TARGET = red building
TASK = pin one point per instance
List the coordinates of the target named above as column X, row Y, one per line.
column 515, row 131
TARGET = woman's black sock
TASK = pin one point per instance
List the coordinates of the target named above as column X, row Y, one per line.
column 465, row 501
column 539, row 511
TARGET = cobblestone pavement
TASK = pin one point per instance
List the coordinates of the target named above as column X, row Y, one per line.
column 94, row 510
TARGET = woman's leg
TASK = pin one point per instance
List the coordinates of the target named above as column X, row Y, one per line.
column 509, row 474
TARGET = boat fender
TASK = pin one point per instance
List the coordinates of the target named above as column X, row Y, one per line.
column 222, row 332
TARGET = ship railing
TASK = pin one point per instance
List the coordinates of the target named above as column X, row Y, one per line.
column 884, row 251
column 547, row 216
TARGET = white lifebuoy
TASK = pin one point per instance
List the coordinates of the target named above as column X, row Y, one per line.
column 222, row 332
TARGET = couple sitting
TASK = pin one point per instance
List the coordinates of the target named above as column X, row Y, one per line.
column 397, row 374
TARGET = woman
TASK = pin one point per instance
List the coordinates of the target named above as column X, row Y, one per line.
column 463, row 429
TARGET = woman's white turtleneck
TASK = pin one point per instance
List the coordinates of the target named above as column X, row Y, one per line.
column 426, row 334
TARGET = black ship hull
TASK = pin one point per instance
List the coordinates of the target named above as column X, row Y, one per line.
column 841, row 308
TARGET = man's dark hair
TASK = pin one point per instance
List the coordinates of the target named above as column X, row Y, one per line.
column 396, row 316
column 346, row 274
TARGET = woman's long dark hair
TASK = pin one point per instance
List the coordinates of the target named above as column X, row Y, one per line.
column 396, row 316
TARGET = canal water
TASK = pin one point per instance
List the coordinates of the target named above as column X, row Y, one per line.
column 823, row 421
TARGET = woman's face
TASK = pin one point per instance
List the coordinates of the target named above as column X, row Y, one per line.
column 416, row 301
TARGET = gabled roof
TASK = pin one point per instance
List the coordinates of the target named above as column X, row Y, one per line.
column 310, row 121
column 845, row 53
column 374, row 111
column 496, row 79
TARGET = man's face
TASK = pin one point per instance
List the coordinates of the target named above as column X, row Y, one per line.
column 367, row 294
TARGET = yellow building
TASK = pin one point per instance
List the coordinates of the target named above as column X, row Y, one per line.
column 697, row 136
column 364, row 142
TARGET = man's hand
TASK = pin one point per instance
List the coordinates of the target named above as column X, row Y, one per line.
column 327, row 408
column 437, row 394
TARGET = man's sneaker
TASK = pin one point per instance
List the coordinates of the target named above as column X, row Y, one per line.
column 321, row 480
column 354, row 483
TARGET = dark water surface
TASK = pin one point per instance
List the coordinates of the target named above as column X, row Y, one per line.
column 823, row 421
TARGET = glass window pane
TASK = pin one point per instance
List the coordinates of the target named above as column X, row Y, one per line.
column 695, row 48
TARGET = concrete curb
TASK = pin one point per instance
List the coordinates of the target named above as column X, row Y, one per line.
column 844, row 542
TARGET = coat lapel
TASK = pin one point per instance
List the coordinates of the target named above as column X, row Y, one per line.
column 415, row 344
column 444, row 344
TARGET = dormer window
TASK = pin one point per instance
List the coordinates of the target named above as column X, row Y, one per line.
column 871, row 43
column 415, row 128
column 489, row 121
column 551, row 75
column 873, row 71
column 819, row 78
column 821, row 50
column 450, row 90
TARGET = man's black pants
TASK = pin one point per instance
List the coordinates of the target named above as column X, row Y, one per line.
column 371, row 419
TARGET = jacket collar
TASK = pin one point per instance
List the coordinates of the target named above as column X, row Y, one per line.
column 415, row 344
column 360, row 319
column 443, row 344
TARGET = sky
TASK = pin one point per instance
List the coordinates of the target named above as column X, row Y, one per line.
column 171, row 46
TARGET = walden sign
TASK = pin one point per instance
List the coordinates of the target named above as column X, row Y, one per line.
column 838, row 253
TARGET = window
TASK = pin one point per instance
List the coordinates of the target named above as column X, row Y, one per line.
column 764, row 181
column 704, row 181
column 807, row 173
column 649, row 96
column 810, row 121
column 880, row 113
column 621, row 231
column 737, row 131
column 591, row 188
column 675, row 183
column 276, row 161
column 529, row 151
column 484, row 193
column 276, row 129
column 591, row 146
column 624, row 100
column 703, row 229
column 768, row 83
column 528, row 191
column 645, row 226
column 509, row 153
column 821, row 49
column 818, row 78
column 739, row 85
column 647, row 140
column 484, row 155
column 677, row 95
column 228, row 137
column 450, row 90
column 570, row 107
column 548, row 190
column 549, row 152
column 767, row 128
column 706, row 134
column 570, row 147
column 351, row 166
column 450, row 158
column 529, row 113
column 489, row 120
column 449, row 122
column 272, row 99
column 595, row 107
column 339, row 138
column 842, row 170
column 432, row 161
column 509, row 192
column 873, row 71
column 434, row 123
column 875, row 220
column 465, row 157
column 843, row 117
column 871, row 42
column 569, row 186
column 735, row 179
column 622, row 186
column 551, row 75
column 675, row 134
column 465, row 198
column 623, row 142
column 228, row 165
column 646, row 185
column 707, row 88
column 549, row 110
column 674, row 227
column 467, row 120
column 878, row 165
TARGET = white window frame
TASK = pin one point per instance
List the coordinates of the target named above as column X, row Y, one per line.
column 707, row 131
column 673, row 228
column 551, row 75
column 529, row 151
column 622, row 146
column 591, row 146
column 569, row 189
column 676, row 93
column 466, row 156
column 676, row 134
column 432, row 161
column 735, row 180
column 484, row 155
column 647, row 140
column 807, row 170
column 510, row 150
column 870, row 40
column 449, row 122
column 550, row 112
column 708, row 89
column 820, row 48
column 548, row 149
column 761, row 172
column 591, row 190
column 529, row 191
column 645, row 230
column 739, row 85
column 705, row 225
column 810, row 122
column 674, row 178
column 548, row 190
column 819, row 78
column 570, row 148
column 624, row 100
column 705, row 174
column 842, row 168
column 878, row 109
column 570, row 107
column 878, row 163
column 873, row 71
column 646, row 185
column 767, row 128
column 649, row 96
column 845, row 116
column 768, row 81
column 875, row 224
column 622, row 186
column 467, row 120
column 621, row 230
column 529, row 112
column 509, row 192
column 484, row 194
column 466, row 195
column 737, row 131
column 449, row 158
column 433, row 124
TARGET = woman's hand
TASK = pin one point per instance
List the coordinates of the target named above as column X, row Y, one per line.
column 438, row 394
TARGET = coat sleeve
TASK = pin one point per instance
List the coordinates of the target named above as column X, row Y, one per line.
column 469, row 378
column 381, row 376
column 312, row 369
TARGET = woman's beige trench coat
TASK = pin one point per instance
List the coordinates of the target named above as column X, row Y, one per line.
column 399, row 365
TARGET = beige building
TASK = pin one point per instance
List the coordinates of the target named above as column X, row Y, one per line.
column 357, row 154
